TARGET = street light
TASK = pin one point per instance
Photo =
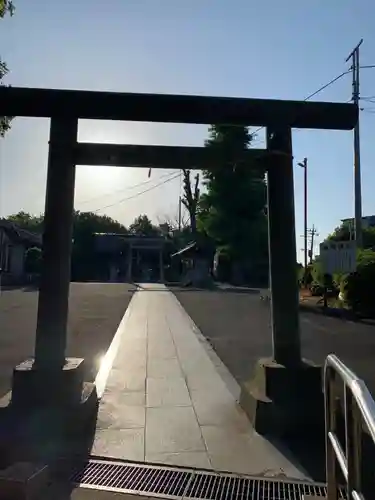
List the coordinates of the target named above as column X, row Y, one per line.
column 304, row 166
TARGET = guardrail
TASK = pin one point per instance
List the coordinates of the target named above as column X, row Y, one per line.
column 359, row 408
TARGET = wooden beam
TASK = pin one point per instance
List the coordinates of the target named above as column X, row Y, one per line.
column 20, row 101
column 173, row 157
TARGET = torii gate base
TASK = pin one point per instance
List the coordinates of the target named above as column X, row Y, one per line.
column 49, row 398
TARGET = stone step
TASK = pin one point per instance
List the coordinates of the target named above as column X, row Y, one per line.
column 23, row 481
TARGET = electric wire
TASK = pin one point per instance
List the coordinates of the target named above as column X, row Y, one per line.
column 123, row 200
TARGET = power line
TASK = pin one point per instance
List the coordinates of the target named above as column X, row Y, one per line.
column 327, row 85
column 139, row 194
column 128, row 188
column 323, row 87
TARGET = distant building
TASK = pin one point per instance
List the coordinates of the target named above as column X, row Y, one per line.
column 128, row 258
column 196, row 263
column 14, row 243
column 367, row 221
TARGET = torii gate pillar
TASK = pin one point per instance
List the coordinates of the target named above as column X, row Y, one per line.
column 285, row 395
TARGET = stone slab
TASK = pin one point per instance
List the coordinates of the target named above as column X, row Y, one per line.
column 172, row 430
column 125, row 444
column 192, row 418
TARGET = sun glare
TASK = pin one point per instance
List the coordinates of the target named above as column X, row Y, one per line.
column 93, row 181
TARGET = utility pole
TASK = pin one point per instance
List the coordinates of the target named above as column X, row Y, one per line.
column 354, row 56
column 312, row 233
column 304, row 166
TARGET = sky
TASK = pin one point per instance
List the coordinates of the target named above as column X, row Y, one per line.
column 268, row 49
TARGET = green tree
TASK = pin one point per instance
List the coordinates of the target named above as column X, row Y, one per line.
column 232, row 211
column 345, row 232
column 190, row 198
column 142, row 226
column 83, row 222
column 90, row 222
column 358, row 288
column 24, row 220
column 6, row 7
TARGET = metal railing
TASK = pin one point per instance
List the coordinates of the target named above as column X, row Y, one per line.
column 359, row 409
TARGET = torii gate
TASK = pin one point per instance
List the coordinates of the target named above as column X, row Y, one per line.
column 272, row 398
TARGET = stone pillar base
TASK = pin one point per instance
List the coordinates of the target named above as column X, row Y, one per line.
column 35, row 387
column 23, row 481
column 45, row 417
column 285, row 401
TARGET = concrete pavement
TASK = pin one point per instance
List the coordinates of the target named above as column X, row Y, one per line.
column 95, row 311
column 238, row 325
column 167, row 399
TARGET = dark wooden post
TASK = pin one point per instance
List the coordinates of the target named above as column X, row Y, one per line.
column 51, row 332
column 282, row 248
column 161, row 265
column 129, row 272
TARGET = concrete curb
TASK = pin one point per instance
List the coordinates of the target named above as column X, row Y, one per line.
column 335, row 312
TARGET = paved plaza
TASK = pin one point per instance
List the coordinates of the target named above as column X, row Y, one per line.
column 95, row 310
column 166, row 397
column 238, row 325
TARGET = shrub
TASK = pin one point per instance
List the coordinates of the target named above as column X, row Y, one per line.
column 358, row 288
column 317, row 272
column 316, row 289
column 33, row 260
column 305, row 279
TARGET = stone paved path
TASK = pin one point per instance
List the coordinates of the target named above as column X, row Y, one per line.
column 165, row 400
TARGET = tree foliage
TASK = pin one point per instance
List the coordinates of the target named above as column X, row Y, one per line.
column 90, row 222
column 232, row 211
column 83, row 223
column 345, row 232
column 142, row 226
column 33, row 260
column 24, row 220
column 358, row 288
column 6, row 7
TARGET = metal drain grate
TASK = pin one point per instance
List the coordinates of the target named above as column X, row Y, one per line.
column 130, row 477
column 188, row 483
